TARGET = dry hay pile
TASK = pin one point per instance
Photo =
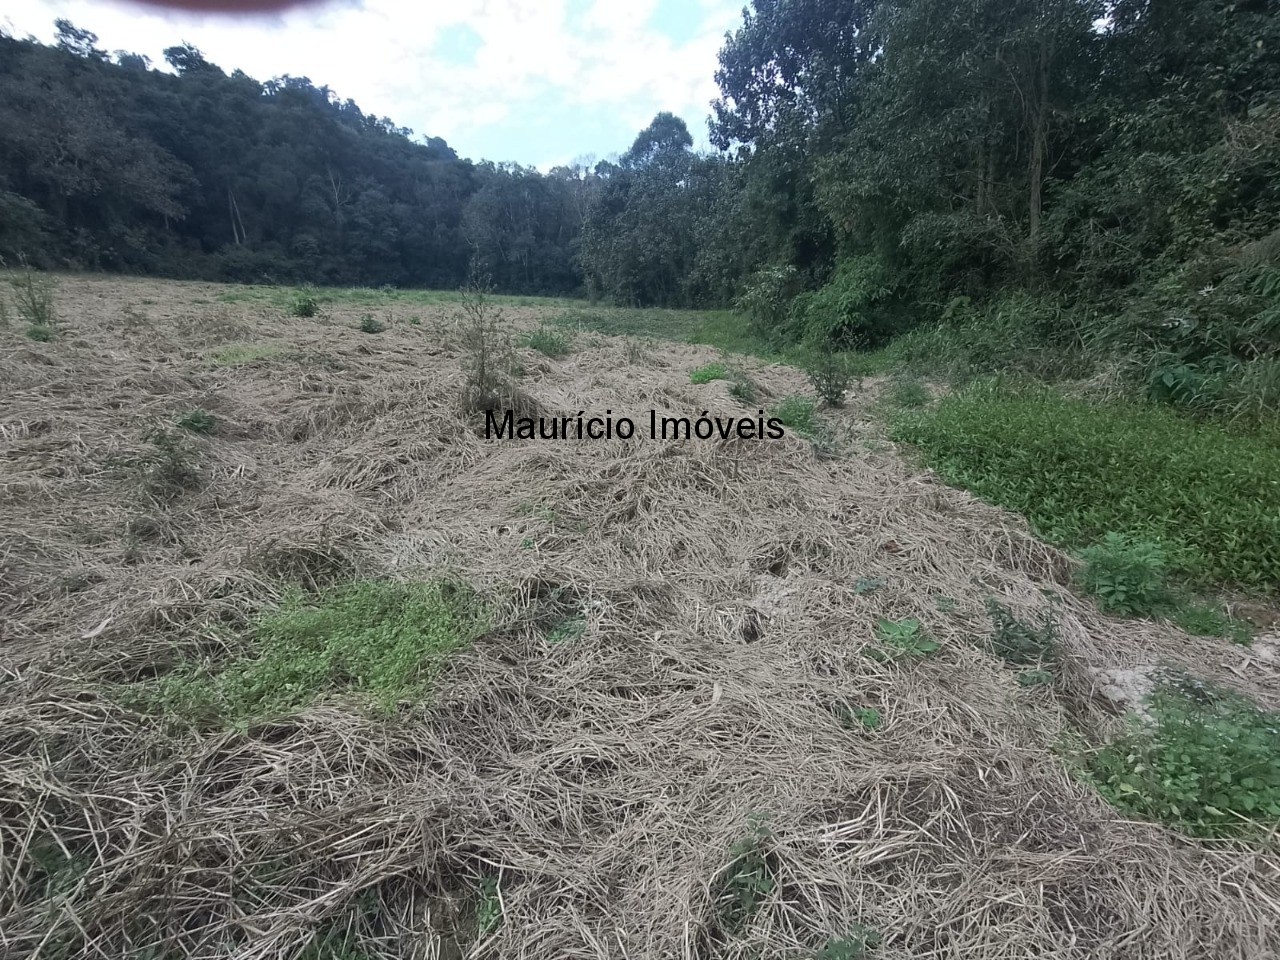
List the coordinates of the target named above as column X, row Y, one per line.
column 603, row 781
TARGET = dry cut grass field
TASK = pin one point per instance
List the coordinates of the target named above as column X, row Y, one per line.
column 295, row 664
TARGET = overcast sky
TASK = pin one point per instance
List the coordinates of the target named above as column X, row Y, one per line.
column 539, row 82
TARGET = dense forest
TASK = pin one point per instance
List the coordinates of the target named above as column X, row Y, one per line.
column 1032, row 178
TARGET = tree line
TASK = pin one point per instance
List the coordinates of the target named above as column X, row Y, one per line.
column 1070, row 171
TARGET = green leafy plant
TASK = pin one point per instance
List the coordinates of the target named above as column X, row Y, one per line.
column 831, row 376
column 711, row 371
column 568, row 630
column 170, row 466
column 199, row 421
column 902, row 638
column 858, row 944
column 304, row 304
column 742, row 388
column 1206, row 763
column 488, row 907
column 550, row 341
column 41, row 333
column 1127, row 576
column 853, row 716
column 371, row 324
column 797, row 413
column 747, row 880
column 1036, row 678
column 1019, row 643
column 383, row 641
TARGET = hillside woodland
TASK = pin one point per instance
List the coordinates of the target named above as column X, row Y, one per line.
column 1055, row 181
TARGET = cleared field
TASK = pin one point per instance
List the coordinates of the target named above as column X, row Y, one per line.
column 649, row 698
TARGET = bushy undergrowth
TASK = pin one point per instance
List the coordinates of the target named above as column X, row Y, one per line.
column 383, row 641
column 1208, row 764
column 1079, row 471
column 1019, row 333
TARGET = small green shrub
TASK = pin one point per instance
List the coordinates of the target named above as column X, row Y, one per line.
column 304, row 304
column 371, row 324
column 766, row 298
column 1019, row 643
column 857, row 945
column 568, row 630
column 1127, row 576
column 1207, row 766
column 550, row 341
column 489, row 363
column 1036, row 678
column 34, row 297
column 830, row 375
column 709, row 372
column 748, row 879
column 383, row 641
column 41, row 333
column 902, row 639
column 742, row 388
column 797, row 413
column 488, row 908
column 908, row 393
column 199, row 421
column 169, row 467
column 854, row 717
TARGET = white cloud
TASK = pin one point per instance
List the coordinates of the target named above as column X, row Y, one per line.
column 609, row 63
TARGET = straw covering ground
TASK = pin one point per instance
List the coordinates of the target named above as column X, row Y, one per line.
column 685, row 714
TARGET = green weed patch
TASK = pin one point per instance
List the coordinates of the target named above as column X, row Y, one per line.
column 385, row 642
column 1079, row 471
column 709, row 372
column 1207, row 765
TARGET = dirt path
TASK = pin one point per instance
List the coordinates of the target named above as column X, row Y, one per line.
column 727, row 594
